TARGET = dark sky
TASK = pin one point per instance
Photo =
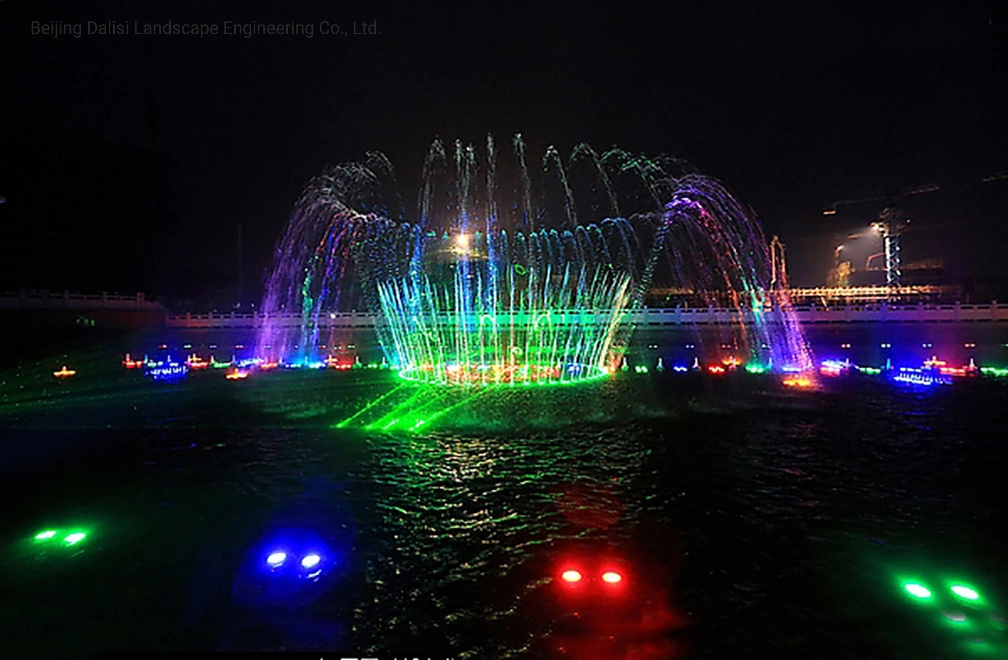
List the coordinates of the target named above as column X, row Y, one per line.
column 129, row 161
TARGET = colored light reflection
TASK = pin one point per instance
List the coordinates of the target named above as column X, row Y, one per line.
column 46, row 535
column 917, row 590
column 731, row 363
column 237, row 374
column 166, row 371
column 798, row 382
column 276, row 559
column 64, row 372
column 834, row 368
column 612, row 577
column 922, row 377
column 942, row 367
column 955, row 617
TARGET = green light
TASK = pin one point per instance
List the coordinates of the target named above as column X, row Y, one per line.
column 755, row 368
column 918, row 590
column 965, row 592
column 46, row 535
column 76, row 537
column 450, row 333
column 370, row 406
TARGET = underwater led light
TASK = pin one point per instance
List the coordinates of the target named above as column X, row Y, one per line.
column 917, row 590
column 46, row 535
column 612, row 577
column 75, row 538
column 571, row 576
column 965, row 592
column 293, row 565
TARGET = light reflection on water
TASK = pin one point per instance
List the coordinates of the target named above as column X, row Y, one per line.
column 760, row 529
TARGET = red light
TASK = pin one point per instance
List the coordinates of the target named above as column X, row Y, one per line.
column 571, row 576
column 612, row 577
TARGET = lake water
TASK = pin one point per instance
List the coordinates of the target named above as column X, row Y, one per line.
column 746, row 521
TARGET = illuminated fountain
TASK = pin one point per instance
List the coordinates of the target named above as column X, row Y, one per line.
column 484, row 286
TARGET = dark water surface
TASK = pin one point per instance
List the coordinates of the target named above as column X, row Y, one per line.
column 747, row 522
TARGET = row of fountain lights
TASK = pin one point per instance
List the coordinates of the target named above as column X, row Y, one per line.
column 932, row 372
column 235, row 369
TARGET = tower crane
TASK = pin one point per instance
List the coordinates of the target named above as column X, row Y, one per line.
column 892, row 220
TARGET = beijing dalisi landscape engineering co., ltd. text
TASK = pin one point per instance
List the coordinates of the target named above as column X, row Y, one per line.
column 57, row 29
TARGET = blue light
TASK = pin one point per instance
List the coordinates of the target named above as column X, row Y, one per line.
column 289, row 567
column 922, row 377
column 166, row 370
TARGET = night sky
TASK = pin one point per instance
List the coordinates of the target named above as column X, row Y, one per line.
column 129, row 161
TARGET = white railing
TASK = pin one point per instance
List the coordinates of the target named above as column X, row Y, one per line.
column 806, row 314
column 66, row 300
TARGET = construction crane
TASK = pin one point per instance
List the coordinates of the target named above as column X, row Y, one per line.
column 892, row 221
